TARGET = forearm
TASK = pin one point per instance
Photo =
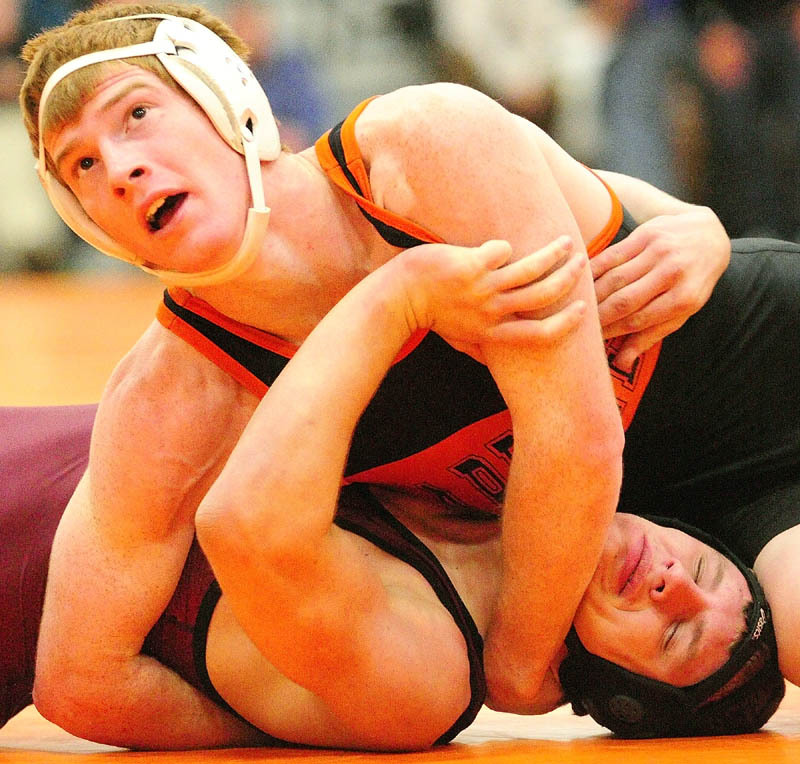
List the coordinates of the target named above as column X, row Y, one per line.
column 643, row 200
column 549, row 556
column 562, row 492
column 140, row 703
column 93, row 681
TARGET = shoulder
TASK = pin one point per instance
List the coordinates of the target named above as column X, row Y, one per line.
column 435, row 110
column 453, row 160
column 160, row 372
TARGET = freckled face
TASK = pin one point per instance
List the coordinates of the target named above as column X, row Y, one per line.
column 150, row 169
column 662, row 603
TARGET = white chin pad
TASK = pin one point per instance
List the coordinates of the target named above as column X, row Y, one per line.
column 224, row 87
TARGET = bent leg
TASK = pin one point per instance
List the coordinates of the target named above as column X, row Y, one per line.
column 43, row 454
column 778, row 569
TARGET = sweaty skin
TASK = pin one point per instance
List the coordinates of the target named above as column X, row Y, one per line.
column 661, row 603
column 169, row 418
column 150, row 453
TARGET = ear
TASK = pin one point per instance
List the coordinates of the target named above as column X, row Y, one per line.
column 222, row 84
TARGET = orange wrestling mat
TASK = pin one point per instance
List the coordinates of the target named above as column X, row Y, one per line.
column 492, row 739
column 61, row 338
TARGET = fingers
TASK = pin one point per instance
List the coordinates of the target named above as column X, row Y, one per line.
column 533, row 266
column 542, row 331
column 648, row 299
column 494, row 253
column 544, row 293
column 623, row 274
column 636, row 344
column 618, row 254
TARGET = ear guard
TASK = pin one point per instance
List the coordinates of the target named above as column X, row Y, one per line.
column 737, row 698
column 223, row 86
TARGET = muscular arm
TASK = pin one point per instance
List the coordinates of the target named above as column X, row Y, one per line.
column 476, row 172
column 266, row 527
column 561, row 494
column 311, row 599
column 116, row 558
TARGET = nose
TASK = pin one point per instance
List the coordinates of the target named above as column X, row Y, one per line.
column 123, row 168
column 676, row 593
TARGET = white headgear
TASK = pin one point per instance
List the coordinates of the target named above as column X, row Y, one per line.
column 223, row 86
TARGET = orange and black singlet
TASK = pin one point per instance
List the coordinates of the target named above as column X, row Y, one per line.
column 438, row 422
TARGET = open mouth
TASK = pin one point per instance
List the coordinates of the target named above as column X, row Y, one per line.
column 163, row 210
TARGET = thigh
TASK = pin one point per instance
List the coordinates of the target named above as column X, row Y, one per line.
column 778, row 569
column 42, row 456
column 747, row 527
column 44, row 453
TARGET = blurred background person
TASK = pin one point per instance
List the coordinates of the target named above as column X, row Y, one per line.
column 32, row 236
column 699, row 97
column 649, row 115
column 748, row 61
column 288, row 73
column 543, row 60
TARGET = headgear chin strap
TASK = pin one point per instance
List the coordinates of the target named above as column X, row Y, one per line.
column 738, row 698
column 208, row 69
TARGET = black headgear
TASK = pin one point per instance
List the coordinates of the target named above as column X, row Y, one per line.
column 737, row 698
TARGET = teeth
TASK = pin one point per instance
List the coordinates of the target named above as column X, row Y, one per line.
column 154, row 208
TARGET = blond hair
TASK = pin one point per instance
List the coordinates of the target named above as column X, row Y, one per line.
column 84, row 33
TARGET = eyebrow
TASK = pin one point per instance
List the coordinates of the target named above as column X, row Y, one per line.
column 694, row 642
column 109, row 104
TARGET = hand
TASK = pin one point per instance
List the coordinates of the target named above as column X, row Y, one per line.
column 648, row 285
column 474, row 295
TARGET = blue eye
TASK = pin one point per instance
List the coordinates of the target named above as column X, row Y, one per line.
column 86, row 163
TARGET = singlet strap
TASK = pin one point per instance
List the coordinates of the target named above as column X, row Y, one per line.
column 612, row 227
column 361, row 513
column 340, row 157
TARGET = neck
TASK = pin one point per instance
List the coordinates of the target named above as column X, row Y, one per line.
column 317, row 247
